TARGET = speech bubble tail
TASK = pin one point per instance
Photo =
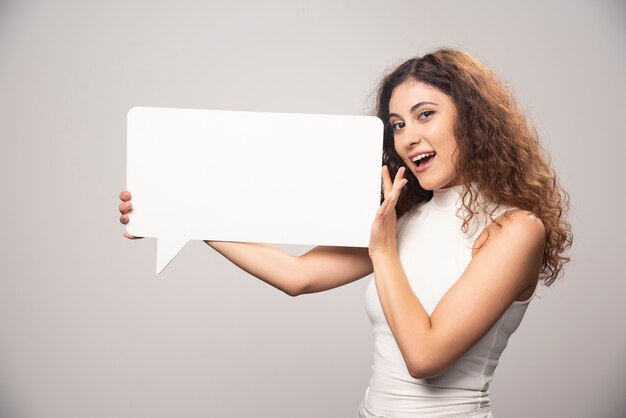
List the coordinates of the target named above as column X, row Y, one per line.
column 167, row 249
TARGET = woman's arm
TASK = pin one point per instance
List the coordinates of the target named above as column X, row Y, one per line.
column 506, row 265
column 320, row 269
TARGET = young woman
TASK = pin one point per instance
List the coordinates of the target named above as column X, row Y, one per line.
column 471, row 220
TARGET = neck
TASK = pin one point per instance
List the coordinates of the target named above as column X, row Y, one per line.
column 447, row 197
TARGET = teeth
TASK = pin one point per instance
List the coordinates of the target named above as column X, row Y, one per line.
column 420, row 156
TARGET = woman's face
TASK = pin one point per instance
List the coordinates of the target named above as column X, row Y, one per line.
column 422, row 119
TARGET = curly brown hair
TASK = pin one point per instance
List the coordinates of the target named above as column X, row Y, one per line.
column 499, row 157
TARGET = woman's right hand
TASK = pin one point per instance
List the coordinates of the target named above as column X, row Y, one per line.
column 126, row 207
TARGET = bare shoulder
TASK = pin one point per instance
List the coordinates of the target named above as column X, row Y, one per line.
column 518, row 228
column 523, row 226
column 516, row 239
column 522, row 222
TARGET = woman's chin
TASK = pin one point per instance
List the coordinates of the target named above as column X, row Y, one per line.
column 430, row 184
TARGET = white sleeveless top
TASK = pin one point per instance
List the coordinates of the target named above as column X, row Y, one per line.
column 434, row 253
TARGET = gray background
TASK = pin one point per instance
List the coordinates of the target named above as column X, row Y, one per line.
column 85, row 328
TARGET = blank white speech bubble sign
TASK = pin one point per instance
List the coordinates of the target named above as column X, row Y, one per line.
column 252, row 177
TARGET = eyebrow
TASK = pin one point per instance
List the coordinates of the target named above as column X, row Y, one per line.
column 413, row 108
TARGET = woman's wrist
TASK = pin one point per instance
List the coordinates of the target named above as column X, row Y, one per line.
column 384, row 254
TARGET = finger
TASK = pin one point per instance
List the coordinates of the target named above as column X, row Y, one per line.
column 398, row 185
column 388, row 206
column 398, row 182
column 127, row 235
column 125, row 207
column 400, row 174
column 125, row 196
column 124, row 219
column 387, row 184
column 383, row 207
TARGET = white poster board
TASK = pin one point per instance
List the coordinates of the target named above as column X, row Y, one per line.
column 252, row 177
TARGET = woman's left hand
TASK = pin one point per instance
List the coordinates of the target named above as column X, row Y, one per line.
column 383, row 236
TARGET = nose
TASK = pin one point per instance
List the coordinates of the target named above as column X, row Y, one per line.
column 411, row 136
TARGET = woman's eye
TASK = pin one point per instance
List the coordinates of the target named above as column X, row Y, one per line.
column 425, row 114
column 397, row 125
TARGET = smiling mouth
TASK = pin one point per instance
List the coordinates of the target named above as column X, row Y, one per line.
column 423, row 159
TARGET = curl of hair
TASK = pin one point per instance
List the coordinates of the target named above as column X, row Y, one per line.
column 499, row 158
